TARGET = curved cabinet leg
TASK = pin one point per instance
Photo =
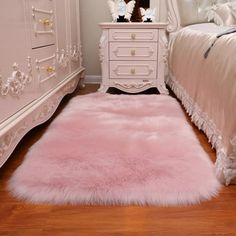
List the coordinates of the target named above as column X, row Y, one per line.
column 81, row 81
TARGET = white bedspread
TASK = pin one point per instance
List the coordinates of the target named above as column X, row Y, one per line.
column 207, row 87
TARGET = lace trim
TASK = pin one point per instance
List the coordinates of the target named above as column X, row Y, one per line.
column 225, row 166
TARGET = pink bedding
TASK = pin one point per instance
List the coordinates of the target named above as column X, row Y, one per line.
column 207, row 88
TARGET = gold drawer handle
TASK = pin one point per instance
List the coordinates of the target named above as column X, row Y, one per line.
column 50, row 69
column 133, row 36
column 45, row 22
column 133, row 52
column 132, row 71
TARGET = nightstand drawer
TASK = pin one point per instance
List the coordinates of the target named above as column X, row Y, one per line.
column 133, row 35
column 130, row 69
column 133, row 51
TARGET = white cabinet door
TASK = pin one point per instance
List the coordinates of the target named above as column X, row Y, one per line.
column 16, row 83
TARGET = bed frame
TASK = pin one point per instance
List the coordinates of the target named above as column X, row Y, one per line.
column 225, row 167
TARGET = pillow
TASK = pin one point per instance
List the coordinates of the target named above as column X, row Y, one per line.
column 192, row 12
column 196, row 11
column 222, row 14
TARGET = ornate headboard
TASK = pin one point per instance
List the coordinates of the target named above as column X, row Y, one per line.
column 186, row 12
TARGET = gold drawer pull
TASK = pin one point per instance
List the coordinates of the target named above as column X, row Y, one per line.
column 133, row 52
column 133, row 36
column 132, row 71
column 50, row 69
column 45, row 22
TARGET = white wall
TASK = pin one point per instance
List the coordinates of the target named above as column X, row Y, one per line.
column 92, row 13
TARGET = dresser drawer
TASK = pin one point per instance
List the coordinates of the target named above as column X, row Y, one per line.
column 133, row 51
column 42, row 23
column 133, row 35
column 130, row 69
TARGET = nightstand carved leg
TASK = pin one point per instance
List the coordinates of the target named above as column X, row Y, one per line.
column 162, row 88
column 162, row 62
column 103, row 88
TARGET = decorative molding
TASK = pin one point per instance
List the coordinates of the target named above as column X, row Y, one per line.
column 75, row 52
column 102, row 46
column 149, row 51
column 32, row 115
column 164, row 45
column 135, row 35
column 62, row 57
column 104, row 59
column 45, row 111
column 233, row 143
column 16, row 84
column 162, row 62
column 80, row 55
column 132, row 70
column 134, row 85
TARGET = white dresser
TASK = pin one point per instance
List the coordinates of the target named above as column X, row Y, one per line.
column 40, row 63
column 133, row 56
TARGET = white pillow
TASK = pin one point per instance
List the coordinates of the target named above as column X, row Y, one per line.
column 222, row 14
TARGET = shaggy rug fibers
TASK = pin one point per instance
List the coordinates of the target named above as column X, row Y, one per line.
column 117, row 149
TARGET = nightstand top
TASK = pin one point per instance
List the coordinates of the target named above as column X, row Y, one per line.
column 133, row 25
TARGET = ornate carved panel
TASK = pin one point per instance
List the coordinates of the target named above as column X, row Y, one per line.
column 17, row 82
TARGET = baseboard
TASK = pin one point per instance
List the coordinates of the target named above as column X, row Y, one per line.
column 93, row 79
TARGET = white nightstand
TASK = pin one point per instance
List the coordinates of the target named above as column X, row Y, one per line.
column 133, row 56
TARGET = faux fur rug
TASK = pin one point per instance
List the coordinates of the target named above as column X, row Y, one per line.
column 117, row 149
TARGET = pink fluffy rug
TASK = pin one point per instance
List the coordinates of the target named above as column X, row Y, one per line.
column 117, row 149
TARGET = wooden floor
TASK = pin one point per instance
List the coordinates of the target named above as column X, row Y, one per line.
column 215, row 217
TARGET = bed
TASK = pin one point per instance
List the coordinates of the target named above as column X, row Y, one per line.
column 206, row 85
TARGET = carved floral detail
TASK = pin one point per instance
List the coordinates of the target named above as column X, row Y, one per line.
column 17, row 82
column 134, row 85
column 164, row 46
column 62, row 57
column 10, row 138
column 75, row 53
column 233, row 143
column 102, row 46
